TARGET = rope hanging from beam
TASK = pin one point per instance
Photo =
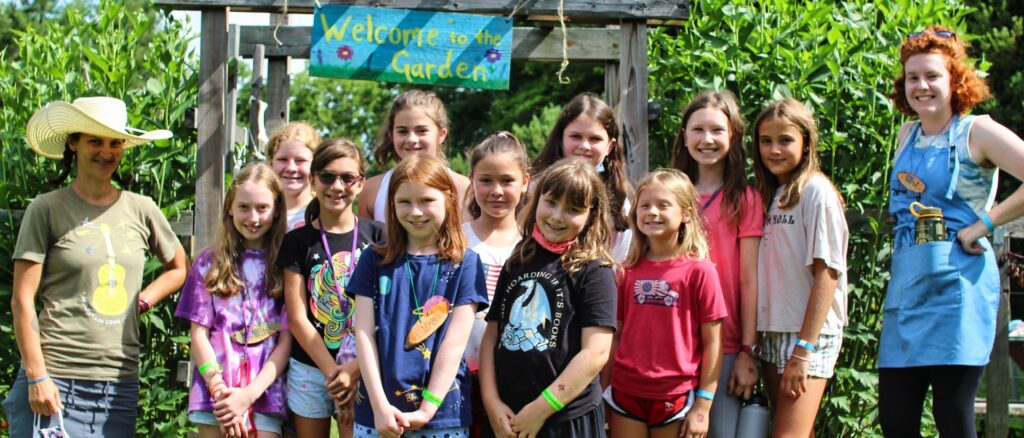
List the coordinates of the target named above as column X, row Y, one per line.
column 565, row 43
column 516, row 8
column 284, row 11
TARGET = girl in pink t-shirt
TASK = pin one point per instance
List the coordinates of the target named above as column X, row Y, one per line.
column 709, row 149
column 670, row 311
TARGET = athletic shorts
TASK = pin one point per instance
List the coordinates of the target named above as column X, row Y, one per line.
column 653, row 412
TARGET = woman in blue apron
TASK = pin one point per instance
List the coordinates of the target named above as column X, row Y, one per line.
column 940, row 307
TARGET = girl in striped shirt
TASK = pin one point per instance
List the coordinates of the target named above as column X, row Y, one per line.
column 499, row 176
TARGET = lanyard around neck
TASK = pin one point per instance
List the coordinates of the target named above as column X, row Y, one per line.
column 412, row 284
column 712, row 198
column 351, row 259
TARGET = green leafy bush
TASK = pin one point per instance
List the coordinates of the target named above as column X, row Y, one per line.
column 142, row 58
column 840, row 58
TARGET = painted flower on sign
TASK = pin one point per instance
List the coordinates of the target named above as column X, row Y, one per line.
column 345, row 52
column 492, row 55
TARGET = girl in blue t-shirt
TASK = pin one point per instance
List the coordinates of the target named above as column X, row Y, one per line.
column 416, row 297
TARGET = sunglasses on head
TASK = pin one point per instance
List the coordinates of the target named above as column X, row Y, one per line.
column 328, row 178
column 938, row 33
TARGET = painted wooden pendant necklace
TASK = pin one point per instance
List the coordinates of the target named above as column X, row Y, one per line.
column 910, row 180
column 430, row 317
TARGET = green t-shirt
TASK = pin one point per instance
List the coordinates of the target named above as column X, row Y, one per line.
column 93, row 259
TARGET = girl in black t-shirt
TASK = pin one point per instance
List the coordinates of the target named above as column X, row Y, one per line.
column 550, row 326
column 318, row 259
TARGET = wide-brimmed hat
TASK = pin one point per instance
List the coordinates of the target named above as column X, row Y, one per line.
column 49, row 127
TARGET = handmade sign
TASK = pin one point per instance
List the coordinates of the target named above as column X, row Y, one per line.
column 411, row 47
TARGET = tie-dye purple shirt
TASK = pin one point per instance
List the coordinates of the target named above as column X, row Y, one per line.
column 248, row 315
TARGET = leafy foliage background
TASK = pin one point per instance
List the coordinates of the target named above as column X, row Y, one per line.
column 839, row 57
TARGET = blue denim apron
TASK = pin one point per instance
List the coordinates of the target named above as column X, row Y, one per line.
column 940, row 306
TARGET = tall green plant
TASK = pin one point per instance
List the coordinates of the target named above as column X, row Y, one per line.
column 143, row 59
column 840, row 58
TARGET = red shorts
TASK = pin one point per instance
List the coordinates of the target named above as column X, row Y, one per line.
column 653, row 412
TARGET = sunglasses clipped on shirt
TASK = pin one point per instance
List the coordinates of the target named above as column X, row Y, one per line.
column 328, row 178
column 938, row 33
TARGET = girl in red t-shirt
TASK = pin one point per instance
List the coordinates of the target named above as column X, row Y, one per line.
column 709, row 149
column 670, row 311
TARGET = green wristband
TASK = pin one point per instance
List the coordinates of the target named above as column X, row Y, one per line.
column 432, row 398
column 212, row 365
column 552, row 400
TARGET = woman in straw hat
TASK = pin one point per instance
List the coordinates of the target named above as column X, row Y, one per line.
column 82, row 249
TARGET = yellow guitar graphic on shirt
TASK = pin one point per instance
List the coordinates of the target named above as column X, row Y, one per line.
column 110, row 297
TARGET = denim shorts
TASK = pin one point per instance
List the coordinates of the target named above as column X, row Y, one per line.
column 778, row 346
column 270, row 423
column 361, row 431
column 91, row 408
column 307, row 391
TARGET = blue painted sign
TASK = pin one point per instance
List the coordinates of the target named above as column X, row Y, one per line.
column 411, row 47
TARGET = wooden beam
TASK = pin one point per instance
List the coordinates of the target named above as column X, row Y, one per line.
column 213, row 49
column 586, row 44
column 610, row 10
column 633, row 98
column 278, row 82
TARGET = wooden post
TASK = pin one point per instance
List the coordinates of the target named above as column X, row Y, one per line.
column 256, row 121
column 278, row 84
column 211, row 126
column 997, row 374
column 231, row 98
column 612, row 87
column 633, row 97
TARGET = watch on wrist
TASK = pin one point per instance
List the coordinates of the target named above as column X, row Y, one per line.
column 752, row 349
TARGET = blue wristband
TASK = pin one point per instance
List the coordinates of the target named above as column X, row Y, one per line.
column 34, row 381
column 805, row 345
column 988, row 222
column 707, row 395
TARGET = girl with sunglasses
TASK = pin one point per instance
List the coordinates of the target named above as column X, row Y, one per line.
column 940, row 309
column 318, row 259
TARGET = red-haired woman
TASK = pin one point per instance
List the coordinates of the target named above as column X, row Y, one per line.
column 940, row 307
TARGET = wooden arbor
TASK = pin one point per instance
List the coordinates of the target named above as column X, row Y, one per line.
column 623, row 50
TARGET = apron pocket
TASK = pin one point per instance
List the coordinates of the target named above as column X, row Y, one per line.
column 924, row 276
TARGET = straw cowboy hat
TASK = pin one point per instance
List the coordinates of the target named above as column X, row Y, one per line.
column 49, row 127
